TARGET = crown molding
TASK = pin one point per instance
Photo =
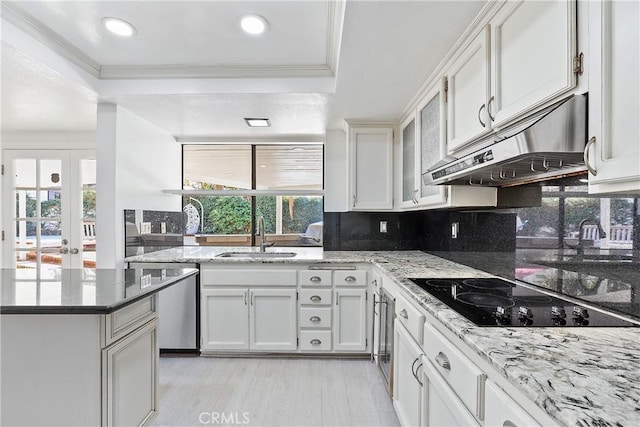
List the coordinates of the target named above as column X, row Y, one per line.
column 186, row 71
column 335, row 21
column 31, row 26
column 36, row 29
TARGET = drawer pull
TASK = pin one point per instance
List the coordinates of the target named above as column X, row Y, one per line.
column 315, row 341
column 509, row 423
column 315, row 279
column 403, row 314
column 349, row 279
column 315, row 298
column 315, row 319
column 443, row 361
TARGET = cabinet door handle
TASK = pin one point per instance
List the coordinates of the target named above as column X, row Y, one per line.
column 493, row 119
column 403, row 314
column 315, row 341
column 414, row 372
column 315, row 298
column 480, row 118
column 591, row 169
column 253, row 298
column 245, row 298
column 349, row 279
column 354, row 200
column 315, row 319
column 443, row 361
column 315, row 279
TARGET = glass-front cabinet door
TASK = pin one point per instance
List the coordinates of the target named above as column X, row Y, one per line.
column 50, row 218
column 432, row 146
column 409, row 172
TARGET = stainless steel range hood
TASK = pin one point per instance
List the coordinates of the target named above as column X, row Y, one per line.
column 548, row 145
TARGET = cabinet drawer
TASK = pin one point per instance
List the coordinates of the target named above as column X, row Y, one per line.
column 465, row 378
column 410, row 317
column 314, row 278
column 127, row 319
column 315, row 296
column 350, row 278
column 315, row 317
column 501, row 410
column 315, row 340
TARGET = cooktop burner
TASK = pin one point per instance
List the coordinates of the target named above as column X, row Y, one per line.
column 497, row 302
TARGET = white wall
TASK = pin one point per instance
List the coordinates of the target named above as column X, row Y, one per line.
column 136, row 161
column 335, row 171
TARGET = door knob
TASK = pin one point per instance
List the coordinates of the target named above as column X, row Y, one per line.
column 74, row 251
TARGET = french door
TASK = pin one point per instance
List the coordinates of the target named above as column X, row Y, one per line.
column 49, row 209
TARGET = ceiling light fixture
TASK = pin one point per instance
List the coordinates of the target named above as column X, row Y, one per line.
column 119, row 26
column 253, row 24
column 257, row 123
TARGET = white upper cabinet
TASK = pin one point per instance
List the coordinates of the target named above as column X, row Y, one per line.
column 468, row 93
column 521, row 60
column 533, row 44
column 371, row 165
column 614, row 98
column 423, row 144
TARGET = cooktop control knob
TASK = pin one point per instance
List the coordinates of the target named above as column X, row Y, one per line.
column 525, row 313
column 558, row 312
column 503, row 315
column 580, row 312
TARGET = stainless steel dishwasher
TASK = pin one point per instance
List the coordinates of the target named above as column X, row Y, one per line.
column 178, row 311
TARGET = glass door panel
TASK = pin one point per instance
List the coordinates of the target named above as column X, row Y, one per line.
column 43, row 226
column 88, row 183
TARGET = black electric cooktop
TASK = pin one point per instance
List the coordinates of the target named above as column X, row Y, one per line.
column 497, row 302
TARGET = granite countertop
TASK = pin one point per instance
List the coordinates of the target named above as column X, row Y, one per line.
column 81, row 291
column 584, row 377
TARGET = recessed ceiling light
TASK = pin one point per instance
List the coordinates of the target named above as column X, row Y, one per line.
column 257, row 123
column 119, row 26
column 253, row 24
column 263, row 166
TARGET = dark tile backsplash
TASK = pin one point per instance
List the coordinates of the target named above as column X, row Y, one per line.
column 425, row 230
column 137, row 243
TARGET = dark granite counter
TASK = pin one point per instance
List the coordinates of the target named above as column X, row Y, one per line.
column 81, row 291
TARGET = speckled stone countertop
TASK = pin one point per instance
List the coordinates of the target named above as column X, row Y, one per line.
column 580, row 377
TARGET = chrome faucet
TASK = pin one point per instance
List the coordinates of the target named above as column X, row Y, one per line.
column 262, row 233
column 601, row 234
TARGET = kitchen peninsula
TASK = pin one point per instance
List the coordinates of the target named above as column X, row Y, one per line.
column 79, row 347
column 561, row 376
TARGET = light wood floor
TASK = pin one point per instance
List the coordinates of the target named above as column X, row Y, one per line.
column 272, row 392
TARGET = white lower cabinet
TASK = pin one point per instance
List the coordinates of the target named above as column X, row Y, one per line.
column 130, row 369
column 441, row 406
column 249, row 319
column 407, row 390
column 350, row 320
column 225, row 319
column 501, row 410
column 80, row 369
column 272, row 319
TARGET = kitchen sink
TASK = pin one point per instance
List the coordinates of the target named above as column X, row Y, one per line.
column 256, row 255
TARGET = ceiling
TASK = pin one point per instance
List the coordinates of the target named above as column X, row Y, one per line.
column 191, row 71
